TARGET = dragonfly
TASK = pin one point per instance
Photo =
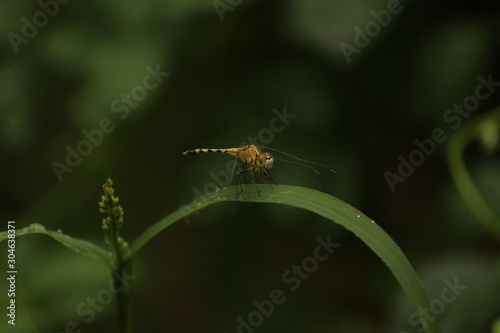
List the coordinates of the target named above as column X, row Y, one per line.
column 256, row 163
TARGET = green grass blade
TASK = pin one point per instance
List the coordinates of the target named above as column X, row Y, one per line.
column 80, row 246
column 329, row 207
column 475, row 129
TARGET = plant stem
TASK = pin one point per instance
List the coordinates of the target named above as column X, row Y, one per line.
column 123, row 296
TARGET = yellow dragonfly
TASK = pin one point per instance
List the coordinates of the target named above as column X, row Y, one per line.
column 257, row 162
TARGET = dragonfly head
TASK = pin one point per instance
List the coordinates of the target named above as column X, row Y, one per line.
column 265, row 160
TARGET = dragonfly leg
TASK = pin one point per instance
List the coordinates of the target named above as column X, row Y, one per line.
column 244, row 172
column 253, row 180
column 268, row 176
column 236, row 178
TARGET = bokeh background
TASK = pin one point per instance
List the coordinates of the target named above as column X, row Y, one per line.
column 230, row 65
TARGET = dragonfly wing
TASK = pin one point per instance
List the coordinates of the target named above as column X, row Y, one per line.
column 292, row 170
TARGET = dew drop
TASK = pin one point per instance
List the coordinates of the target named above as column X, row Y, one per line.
column 358, row 216
column 373, row 221
column 59, row 231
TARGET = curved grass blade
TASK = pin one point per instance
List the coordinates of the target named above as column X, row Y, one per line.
column 324, row 205
column 78, row 245
column 472, row 130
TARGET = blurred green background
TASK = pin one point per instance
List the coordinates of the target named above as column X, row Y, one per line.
column 230, row 65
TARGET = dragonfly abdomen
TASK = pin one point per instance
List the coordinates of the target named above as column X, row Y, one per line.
column 229, row 151
column 248, row 154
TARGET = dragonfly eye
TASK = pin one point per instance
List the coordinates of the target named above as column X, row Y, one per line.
column 265, row 160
